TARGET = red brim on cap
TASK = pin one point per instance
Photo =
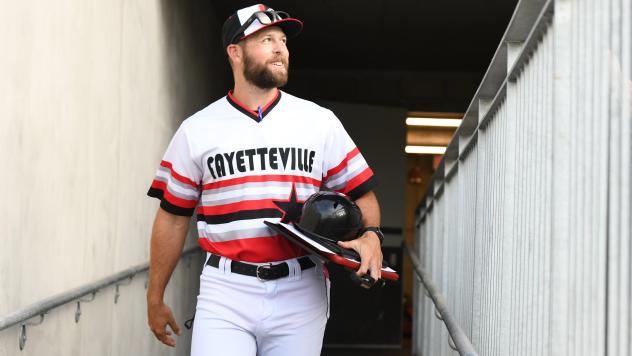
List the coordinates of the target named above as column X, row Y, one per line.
column 290, row 26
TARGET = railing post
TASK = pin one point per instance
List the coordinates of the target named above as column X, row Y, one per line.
column 560, row 212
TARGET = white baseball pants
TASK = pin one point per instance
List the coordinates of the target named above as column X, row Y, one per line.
column 239, row 315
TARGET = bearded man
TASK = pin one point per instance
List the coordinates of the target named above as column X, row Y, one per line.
column 252, row 156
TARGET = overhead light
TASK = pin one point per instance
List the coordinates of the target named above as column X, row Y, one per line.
column 432, row 121
column 425, row 150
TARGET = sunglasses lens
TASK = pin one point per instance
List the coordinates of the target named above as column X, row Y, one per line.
column 264, row 18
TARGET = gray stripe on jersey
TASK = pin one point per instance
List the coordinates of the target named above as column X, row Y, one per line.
column 238, row 234
column 172, row 180
column 350, row 176
column 256, row 185
column 344, row 172
column 178, row 194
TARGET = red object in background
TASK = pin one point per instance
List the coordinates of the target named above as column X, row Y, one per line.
column 415, row 175
column 436, row 159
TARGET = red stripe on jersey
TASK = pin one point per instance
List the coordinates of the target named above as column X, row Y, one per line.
column 262, row 178
column 183, row 203
column 255, row 249
column 271, row 101
column 178, row 176
column 238, row 206
column 357, row 180
column 342, row 164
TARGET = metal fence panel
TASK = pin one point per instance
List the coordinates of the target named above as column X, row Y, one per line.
column 526, row 230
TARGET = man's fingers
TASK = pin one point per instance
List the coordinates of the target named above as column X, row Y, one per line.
column 370, row 257
column 171, row 321
column 168, row 341
column 364, row 268
column 174, row 326
column 375, row 272
column 346, row 244
column 159, row 333
column 163, row 336
column 376, row 269
column 364, row 261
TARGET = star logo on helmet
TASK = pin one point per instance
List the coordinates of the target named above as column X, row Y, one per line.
column 290, row 208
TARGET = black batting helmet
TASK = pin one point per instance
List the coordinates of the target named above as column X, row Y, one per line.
column 331, row 216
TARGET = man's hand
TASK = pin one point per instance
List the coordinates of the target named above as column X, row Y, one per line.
column 368, row 245
column 370, row 251
column 159, row 316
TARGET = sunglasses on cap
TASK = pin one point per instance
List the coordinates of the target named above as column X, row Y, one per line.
column 264, row 17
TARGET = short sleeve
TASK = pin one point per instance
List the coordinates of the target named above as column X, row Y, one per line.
column 177, row 180
column 345, row 169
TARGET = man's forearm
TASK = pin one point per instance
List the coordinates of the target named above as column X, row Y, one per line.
column 167, row 240
column 370, row 209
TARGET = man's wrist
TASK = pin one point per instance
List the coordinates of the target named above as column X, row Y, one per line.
column 154, row 297
column 375, row 230
column 374, row 235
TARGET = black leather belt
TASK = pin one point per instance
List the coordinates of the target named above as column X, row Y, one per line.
column 262, row 272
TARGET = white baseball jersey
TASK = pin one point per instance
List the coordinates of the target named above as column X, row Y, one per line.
column 241, row 167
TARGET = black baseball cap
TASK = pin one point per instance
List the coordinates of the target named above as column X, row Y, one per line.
column 246, row 21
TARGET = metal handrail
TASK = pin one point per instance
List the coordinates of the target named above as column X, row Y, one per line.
column 462, row 343
column 42, row 307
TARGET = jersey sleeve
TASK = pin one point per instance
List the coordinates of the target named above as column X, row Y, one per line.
column 177, row 180
column 344, row 167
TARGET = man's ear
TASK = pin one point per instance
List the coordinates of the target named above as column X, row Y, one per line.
column 234, row 52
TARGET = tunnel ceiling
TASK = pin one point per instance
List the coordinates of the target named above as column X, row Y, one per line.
column 402, row 37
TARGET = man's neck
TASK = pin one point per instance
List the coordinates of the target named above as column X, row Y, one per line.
column 253, row 97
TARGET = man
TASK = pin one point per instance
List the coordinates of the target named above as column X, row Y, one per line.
column 253, row 156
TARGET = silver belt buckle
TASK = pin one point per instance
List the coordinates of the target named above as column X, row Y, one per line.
column 257, row 272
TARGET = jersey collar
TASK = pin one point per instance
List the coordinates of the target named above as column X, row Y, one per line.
column 250, row 113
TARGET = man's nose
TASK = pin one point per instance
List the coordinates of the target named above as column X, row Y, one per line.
column 279, row 47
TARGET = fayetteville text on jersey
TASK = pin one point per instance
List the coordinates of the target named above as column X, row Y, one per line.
column 289, row 157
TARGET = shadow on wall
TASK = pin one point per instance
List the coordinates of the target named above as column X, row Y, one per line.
column 196, row 65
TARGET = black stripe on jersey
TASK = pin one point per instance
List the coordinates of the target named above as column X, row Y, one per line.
column 170, row 208
column 272, row 104
column 363, row 188
column 240, row 215
column 249, row 113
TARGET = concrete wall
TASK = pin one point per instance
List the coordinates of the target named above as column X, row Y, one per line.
column 380, row 134
column 91, row 92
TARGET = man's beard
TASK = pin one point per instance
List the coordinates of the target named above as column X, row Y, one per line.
column 261, row 76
